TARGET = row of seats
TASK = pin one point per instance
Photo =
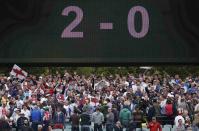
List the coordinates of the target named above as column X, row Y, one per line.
column 164, row 128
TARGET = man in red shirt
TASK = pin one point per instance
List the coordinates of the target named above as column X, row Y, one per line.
column 154, row 125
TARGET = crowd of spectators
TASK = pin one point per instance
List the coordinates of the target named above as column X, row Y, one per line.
column 112, row 102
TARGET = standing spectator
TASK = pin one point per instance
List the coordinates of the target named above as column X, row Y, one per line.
column 19, row 102
column 26, row 126
column 85, row 121
column 125, row 116
column 169, row 108
column 75, row 121
column 46, row 119
column 137, row 118
column 68, row 111
column 35, row 117
column 154, row 110
column 21, row 121
column 162, row 101
column 150, row 113
column 58, row 119
column 116, row 113
column 154, row 125
column 26, row 111
column 157, row 108
column 170, row 112
column 11, row 109
column 109, row 120
column 182, row 103
column 4, row 111
column 104, row 109
column 15, row 117
column 98, row 119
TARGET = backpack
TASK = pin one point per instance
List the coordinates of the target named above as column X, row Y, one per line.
column 169, row 109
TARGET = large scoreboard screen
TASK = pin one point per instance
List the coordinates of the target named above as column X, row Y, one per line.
column 98, row 31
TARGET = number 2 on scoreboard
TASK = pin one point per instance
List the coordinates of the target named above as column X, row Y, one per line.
column 68, row 33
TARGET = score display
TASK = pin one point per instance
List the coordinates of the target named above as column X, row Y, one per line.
column 93, row 31
column 67, row 33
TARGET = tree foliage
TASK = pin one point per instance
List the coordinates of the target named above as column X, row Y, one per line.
column 183, row 71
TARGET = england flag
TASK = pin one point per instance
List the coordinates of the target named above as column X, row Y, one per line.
column 18, row 72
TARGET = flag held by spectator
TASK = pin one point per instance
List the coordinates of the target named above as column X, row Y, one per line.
column 18, row 72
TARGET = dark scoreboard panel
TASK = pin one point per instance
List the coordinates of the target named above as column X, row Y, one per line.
column 99, row 31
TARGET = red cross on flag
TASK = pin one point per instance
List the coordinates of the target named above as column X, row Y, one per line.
column 18, row 72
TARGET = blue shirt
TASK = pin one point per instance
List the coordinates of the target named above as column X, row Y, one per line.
column 36, row 115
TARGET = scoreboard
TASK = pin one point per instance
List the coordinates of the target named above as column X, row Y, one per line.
column 98, row 31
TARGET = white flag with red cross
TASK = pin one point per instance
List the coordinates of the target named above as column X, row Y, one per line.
column 18, row 72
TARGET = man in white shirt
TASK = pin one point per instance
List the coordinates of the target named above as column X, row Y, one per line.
column 26, row 112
